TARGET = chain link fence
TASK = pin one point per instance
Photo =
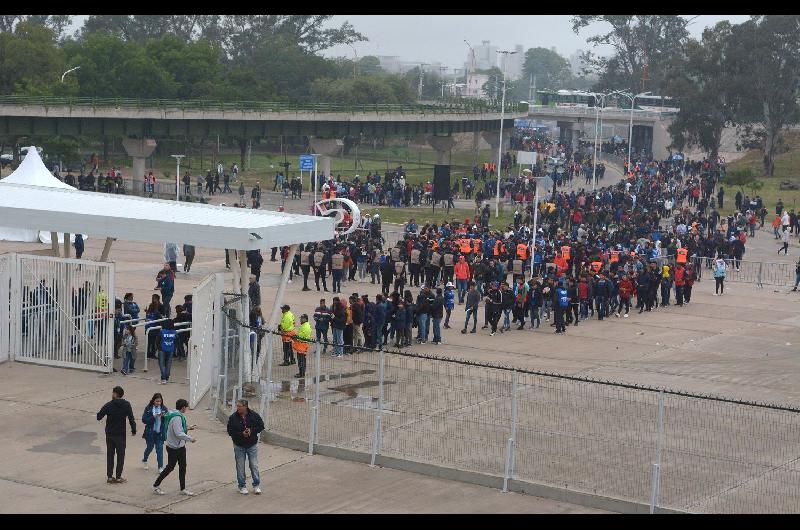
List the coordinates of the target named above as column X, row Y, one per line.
column 598, row 443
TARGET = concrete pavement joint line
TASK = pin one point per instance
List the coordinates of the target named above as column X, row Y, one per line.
column 80, row 493
column 73, row 397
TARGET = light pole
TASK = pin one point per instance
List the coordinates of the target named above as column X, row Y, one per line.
column 355, row 61
column 632, row 98
column 598, row 110
column 535, row 220
column 421, row 72
column 470, row 64
column 178, row 177
column 68, row 71
column 506, row 53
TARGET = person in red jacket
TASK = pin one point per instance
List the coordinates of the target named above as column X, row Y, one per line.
column 680, row 283
column 626, row 290
column 461, row 272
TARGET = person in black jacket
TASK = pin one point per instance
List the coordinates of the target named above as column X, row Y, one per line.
column 243, row 428
column 437, row 312
column 115, row 412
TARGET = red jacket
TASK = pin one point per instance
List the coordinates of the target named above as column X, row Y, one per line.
column 626, row 288
column 461, row 269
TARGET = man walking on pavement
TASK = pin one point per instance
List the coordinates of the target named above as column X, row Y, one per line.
column 174, row 425
column 243, row 428
column 115, row 412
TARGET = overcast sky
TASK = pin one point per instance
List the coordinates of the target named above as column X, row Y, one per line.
column 440, row 38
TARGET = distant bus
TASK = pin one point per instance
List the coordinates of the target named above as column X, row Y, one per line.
column 566, row 98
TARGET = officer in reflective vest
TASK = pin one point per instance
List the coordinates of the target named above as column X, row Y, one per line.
column 337, row 264
column 400, row 276
column 305, row 264
column 449, row 262
column 499, row 248
column 433, row 268
column 414, row 265
column 320, row 264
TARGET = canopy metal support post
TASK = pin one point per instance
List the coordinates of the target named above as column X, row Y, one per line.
column 54, row 243
column 276, row 307
column 66, row 245
column 107, row 248
column 244, row 333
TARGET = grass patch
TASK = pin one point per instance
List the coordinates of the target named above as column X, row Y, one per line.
column 787, row 167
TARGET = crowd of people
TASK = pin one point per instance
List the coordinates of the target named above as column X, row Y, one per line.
column 639, row 244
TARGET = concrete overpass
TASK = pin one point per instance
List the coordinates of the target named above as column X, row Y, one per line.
column 140, row 122
column 649, row 128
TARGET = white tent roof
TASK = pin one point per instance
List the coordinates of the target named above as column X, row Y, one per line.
column 140, row 219
column 33, row 172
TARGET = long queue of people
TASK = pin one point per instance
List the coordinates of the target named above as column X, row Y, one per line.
column 640, row 243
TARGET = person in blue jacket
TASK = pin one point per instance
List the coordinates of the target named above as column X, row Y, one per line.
column 153, row 414
column 449, row 303
column 169, row 339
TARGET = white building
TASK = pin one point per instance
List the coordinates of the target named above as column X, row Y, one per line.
column 513, row 63
column 576, row 63
column 474, row 88
column 485, row 56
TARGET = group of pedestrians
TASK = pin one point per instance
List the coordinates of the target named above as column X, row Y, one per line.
column 168, row 428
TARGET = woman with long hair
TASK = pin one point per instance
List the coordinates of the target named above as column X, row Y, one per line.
column 153, row 414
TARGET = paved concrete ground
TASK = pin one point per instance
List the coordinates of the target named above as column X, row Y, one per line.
column 54, row 462
column 742, row 345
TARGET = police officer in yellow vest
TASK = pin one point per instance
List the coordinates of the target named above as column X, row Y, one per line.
column 286, row 329
column 300, row 345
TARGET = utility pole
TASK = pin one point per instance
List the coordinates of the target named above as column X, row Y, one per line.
column 530, row 89
column 421, row 72
column 506, row 53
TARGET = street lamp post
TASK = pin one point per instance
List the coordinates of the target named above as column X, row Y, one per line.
column 632, row 99
column 535, row 220
column 506, row 53
column 68, row 71
column 598, row 110
column 178, row 177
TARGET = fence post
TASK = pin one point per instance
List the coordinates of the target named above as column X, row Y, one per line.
column 760, row 266
column 318, row 372
column 312, row 432
column 268, row 353
column 512, row 440
column 656, row 482
column 376, row 437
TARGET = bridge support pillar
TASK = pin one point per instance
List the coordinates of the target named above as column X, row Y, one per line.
column 443, row 145
column 325, row 147
column 493, row 139
column 138, row 149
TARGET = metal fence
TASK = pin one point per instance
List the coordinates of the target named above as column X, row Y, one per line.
column 759, row 273
column 642, row 448
column 57, row 311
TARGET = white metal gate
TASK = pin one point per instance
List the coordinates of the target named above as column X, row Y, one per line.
column 6, row 264
column 205, row 339
column 61, row 312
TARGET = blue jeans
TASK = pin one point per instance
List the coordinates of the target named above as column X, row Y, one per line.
column 157, row 442
column 165, row 364
column 338, row 341
column 251, row 454
column 422, row 326
column 462, row 290
column 506, row 318
column 437, row 330
column 127, row 361
column 322, row 336
column 479, row 286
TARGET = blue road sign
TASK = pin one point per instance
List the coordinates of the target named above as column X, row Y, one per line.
column 306, row 162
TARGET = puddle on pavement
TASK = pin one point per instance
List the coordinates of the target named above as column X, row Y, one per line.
column 295, row 390
column 72, row 443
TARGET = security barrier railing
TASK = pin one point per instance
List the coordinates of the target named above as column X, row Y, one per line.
column 635, row 447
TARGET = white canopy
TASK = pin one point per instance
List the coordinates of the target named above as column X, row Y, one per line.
column 141, row 219
column 32, row 172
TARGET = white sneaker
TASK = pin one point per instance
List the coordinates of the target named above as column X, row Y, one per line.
column 158, row 491
column 160, row 470
column 146, row 465
column 626, row 315
column 187, row 493
column 243, row 491
column 163, row 382
column 257, row 490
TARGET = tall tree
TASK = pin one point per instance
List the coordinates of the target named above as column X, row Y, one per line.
column 766, row 53
column 707, row 89
column 57, row 23
column 550, row 69
column 638, row 41
column 30, row 61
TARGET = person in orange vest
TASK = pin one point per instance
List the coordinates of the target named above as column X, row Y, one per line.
column 499, row 248
column 595, row 266
column 681, row 255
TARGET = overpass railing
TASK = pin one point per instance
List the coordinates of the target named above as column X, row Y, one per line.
column 448, row 107
column 589, row 111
